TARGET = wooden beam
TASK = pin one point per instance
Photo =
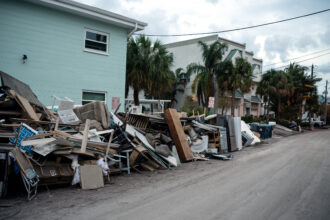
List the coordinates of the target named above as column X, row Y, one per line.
column 178, row 135
column 85, row 137
column 25, row 105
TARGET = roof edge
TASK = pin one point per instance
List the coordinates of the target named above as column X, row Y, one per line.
column 91, row 12
column 256, row 59
column 191, row 41
column 233, row 42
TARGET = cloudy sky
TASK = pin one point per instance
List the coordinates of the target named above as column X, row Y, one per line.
column 274, row 43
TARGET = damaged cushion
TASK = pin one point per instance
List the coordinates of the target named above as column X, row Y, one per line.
column 163, row 150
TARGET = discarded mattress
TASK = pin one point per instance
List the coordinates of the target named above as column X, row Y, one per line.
column 245, row 128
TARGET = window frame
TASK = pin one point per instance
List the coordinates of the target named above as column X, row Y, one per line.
column 94, row 50
column 93, row 91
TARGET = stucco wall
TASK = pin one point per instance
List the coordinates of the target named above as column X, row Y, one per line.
column 54, row 44
column 183, row 56
column 188, row 52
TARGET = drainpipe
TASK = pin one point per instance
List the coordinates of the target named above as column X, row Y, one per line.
column 132, row 32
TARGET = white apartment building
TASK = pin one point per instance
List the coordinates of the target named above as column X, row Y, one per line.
column 189, row 51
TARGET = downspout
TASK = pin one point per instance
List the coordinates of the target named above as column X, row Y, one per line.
column 132, row 32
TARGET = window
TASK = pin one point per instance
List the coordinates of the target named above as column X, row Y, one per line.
column 96, row 42
column 91, row 96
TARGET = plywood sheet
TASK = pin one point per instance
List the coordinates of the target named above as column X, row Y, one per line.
column 25, row 104
column 91, row 177
column 178, row 135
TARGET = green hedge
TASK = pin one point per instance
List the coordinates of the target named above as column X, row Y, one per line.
column 251, row 118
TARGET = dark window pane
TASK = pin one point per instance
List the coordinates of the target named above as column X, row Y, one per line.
column 85, row 102
column 93, row 96
column 95, row 46
column 96, row 37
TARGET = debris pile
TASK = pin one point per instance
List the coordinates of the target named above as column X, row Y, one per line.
column 86, row 144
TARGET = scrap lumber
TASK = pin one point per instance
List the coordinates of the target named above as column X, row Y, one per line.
column 178, row 135
column 22, row 160
column 85, row 137
column 25, row 104
column 37, row 141
column 11, row 113
column 28, row 121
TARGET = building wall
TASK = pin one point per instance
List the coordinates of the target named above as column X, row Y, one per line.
column 54, row 44
column 188, row 52
column 182, row 57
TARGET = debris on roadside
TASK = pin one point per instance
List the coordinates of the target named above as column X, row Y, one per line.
column 85, row 145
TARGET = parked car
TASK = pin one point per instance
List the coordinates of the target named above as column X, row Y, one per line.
column 315, row 122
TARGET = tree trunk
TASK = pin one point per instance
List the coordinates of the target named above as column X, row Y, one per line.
column 267, row 114
column 233, row 102
column 126, row 90
column 215, row 95
column 136, row 97
column 278, row 106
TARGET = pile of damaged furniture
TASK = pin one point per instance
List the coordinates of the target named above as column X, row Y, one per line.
column 87, row 144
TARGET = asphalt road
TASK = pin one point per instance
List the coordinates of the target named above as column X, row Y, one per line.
column 289, row 179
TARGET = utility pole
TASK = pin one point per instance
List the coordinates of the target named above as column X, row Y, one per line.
column 325, row 102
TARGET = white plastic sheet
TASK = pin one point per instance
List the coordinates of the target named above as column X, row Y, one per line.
column 246, row 128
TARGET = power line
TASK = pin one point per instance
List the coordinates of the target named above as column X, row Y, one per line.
column 297, row 57
column 236, row 29
column 301, row 61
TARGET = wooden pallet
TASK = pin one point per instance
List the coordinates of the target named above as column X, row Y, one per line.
column 214, row 137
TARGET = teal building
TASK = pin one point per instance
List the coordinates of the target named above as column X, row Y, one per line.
column 66, row 49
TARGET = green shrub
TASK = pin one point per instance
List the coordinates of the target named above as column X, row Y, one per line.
column 283, row 122
column 247, row 118
column 251, row 118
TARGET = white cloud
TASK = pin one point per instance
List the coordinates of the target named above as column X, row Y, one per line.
column 273, row 43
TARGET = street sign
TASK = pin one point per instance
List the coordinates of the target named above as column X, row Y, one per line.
column 211, row 102
column 115, row 102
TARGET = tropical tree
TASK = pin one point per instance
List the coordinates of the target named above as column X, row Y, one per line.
column 160, row 78
column 303, row 85
column 181, row 78
column 148, row 68
column 234, row 77
column 204, row 82
column 282, row 89
column 266, row 88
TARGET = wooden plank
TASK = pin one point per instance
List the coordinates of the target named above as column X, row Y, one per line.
column 13, row 113
column 57, row 123
column 28, row 121
column 23, row 162
column 178, row 135
column 64, row 134
column 37, row 141
column 9, row 125
column 86, row 153
column 25, row 104
column 85, row 137
column 40, row 136
column 7, row 135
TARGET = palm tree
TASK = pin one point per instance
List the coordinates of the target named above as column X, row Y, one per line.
column 236, row 76
column 281, row 88
column 160, row 78
column 266, row 88
column 204, row 82
column 302, row 83
column 148, row 68
column 180, row 81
